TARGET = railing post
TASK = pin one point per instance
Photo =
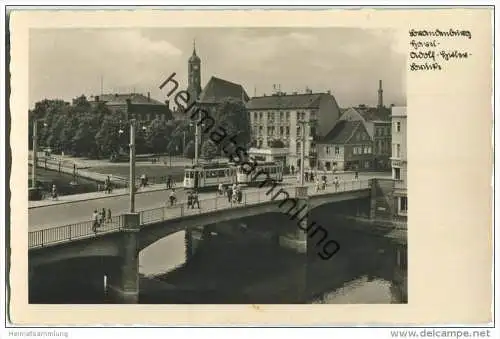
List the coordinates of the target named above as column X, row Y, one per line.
column 70, row 232
column 42, row 237
column 163, row 213
column 245, row 199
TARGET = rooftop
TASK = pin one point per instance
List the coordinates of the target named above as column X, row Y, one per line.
column 342, row 131
column 374, row 113
column 121, row 99
column 218, row 89
column 399, row 111
column 287, row 101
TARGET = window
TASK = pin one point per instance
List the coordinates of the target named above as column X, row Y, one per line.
column 369, row 150
column 281, row 116
column 355, row 150
column 303, row 115
column 397, row 173
column 298, row 116
column 281, row 130
column 337, row 150
column 287, row 130
column 398, row 127
column 255, row 116
column 403, row 204
column 260, row 115
column 398, row 150
column 287, row 116
column 327, row 150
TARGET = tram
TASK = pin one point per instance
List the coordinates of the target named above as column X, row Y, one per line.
column 209, row 175
column 274, row 171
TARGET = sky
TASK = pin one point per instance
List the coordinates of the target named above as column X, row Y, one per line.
column 66, row 63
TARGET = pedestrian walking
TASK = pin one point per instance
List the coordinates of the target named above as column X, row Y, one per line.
column 172, row 197
column 54, row 192
column 196, row 199
column 108, row 216
column 95, row 221
column 356, row 176
column 239, row 196
column 229, row 194
column 317, row 185
column 220, row 189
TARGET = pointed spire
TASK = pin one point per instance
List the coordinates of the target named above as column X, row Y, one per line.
column 194, row 46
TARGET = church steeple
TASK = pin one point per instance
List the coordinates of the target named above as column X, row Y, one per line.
column 194, row 74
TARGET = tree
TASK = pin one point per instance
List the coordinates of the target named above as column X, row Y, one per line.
column 158, row 135
column 232, row 116
column 108, row 136
column 84, row 139
column 189, row 151
column 209, row 150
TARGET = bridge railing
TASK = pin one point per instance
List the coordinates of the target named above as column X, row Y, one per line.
column 218, row 202
column 66, row 233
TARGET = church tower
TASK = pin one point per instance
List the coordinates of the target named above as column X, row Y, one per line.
column 194, row 75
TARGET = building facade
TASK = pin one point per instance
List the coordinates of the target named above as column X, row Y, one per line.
column 282, row 117
column 135, row 106
column 348, row 146
column 399, row 161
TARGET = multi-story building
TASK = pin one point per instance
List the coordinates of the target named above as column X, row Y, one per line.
column 282, row 116
column 377, row 121
column 135, row 105
column 399, row 159
column 348, row 146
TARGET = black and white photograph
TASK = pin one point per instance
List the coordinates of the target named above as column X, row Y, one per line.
column 217, row 166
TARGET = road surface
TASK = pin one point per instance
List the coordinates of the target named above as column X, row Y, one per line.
column 64, row 214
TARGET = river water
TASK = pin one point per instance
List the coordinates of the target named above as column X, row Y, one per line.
column 268, row 270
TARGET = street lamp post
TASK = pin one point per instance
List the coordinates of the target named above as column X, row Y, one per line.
column 196, row 143
column 35, row 155
column 302, row 150
column 35, row 151
column 132, row 166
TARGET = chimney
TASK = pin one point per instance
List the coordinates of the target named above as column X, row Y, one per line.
column 380, row 95
column 329, row 92
column 96, row 98
column 149, row 96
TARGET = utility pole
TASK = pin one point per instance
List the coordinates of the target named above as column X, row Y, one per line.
column 196, row 142
column 132, row 166
column 302, row 152
column 35, row 155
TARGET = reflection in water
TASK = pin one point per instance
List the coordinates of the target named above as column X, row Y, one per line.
column 260, row 273
column 228, row 269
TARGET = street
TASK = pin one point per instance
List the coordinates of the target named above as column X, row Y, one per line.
column 78, row 211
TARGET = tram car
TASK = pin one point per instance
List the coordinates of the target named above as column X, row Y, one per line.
column 204, row 176
column 273, row 169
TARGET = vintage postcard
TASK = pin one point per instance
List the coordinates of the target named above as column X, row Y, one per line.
column 312, row 167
